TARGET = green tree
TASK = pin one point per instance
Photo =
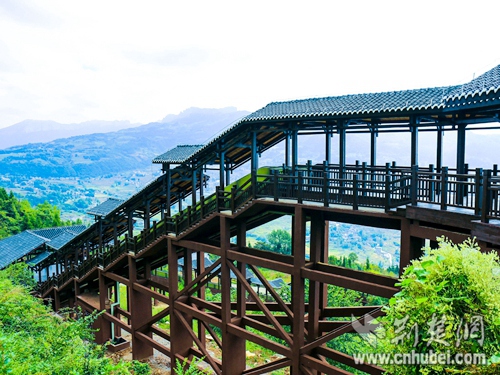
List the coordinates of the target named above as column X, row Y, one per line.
column 444, row 296
column 33, row 340
column 18, row 215
column 280, row 241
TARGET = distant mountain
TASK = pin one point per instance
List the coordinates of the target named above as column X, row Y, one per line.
column 36, row 131
column 99, row 154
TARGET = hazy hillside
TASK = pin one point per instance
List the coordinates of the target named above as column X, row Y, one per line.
column 36, row 131
column 99, row 154
column 78, row 172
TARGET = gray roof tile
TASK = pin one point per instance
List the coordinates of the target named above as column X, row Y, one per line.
column 484, row 84
column 359, row 104
column 18, row 246
column 39, row 258
column 57, row 242
column 15, row 247
column 105, row 207
column 178, row 154
column 51, row 233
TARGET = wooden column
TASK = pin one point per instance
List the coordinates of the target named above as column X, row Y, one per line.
column 254, row 163
column 341, row 129
column 140, row 306
column 373, row 144
column 315, row 297
column 200, row 268
column 298, row 251
column 460, row 163
column 228, row 173
column 147, row 214
column 439, row 149
column 194, row 182
column 104, row 327
column 180, row 340
column 201, row 183
column 461, row 149
column 130, row 224
column 169, row 186
column 295, row 150
column 222, row 168
column 328, row 145
column 233, row 347
column 287, row 148
column 414, row 141
column 241, row 294
column 411, row 247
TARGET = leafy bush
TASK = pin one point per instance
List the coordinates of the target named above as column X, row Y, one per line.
column 182, row 368
column 449, row 303
column 33, row 340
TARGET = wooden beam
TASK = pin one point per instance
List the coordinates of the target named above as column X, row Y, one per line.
column 197, row 246
column 151, row 293
column 260, row 261
column 259, row 340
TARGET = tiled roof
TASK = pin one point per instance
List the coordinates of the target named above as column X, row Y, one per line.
column 359, row 104
column 39, row 258
column 15, row 247
column 106, row 207
column 178, row 154
column 61, row 240
column 484, row 84
column 51, row 233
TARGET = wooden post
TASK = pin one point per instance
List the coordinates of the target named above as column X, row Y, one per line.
column 414, row 185
column 373, row 144
column 298, row 251
column 355, row 198
column 486, row 198
column 444, row 188
column 194, row 182
column 233, row 347
column 479, row 189
column 439, row 149
column 254, row 164
column 295, row 151
column 342, row 148
column 180, row 341
column 432, row 182
column 168, row 198
column 414, row 140
column 141, row 310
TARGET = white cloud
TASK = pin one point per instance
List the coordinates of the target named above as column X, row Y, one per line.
column 77, row 61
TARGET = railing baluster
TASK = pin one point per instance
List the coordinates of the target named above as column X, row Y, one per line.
column 355, row 192
column 326, row 185
column 479, row 191
column 300, row 186
column 444, row 188
column 486, row 206
column 414, row 184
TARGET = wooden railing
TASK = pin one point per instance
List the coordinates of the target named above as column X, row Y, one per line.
column 355, row 185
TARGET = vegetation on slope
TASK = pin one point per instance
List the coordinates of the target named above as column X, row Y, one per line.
column 33, row 340
column 18, row 215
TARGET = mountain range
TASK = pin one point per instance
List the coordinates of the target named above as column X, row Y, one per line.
column 37, row 131
column 98, row 154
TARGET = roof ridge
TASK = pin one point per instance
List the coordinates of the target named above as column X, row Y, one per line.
column 30, row 231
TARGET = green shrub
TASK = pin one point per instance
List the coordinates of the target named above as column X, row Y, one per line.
column 449, row 303
column 182, row 368
column 33, row 340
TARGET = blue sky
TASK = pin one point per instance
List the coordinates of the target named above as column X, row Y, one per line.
column 73, row 61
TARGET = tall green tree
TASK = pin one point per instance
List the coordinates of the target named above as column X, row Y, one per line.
column 17, row 215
